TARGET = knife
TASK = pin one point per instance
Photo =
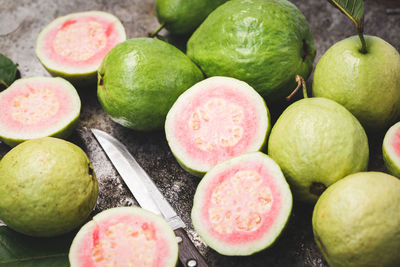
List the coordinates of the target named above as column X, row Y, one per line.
column 148, row 196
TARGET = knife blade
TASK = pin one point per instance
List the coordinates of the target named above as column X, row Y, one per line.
column 147, row 195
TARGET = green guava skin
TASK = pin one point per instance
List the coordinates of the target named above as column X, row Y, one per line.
column 140, row 79
column 316, row 142
column 356, row 221
column 366, row 84
column 265, row 43
column 47, row 187
column 184, row 16
column 79, row 80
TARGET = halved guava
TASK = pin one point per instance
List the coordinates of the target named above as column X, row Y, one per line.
column 214, row 120
column 124, row 236
column 74, row 45
column 242, row 205
column 36, row 107
column 391, row 149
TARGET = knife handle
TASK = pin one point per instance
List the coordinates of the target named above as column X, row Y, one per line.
column 188, row 254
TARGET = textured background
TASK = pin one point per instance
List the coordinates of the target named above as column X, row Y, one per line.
column 20, row 23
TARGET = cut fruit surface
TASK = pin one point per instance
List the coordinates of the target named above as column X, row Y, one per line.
column 216, row 119
column 124, row 236
column 74, row 45
column 241, row 205
column 37, row 107
column 391, row 150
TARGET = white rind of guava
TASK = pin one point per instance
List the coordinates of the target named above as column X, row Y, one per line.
column 86, row 230
column 56, row 68
column 262, row 242
column 68, row 119
column 195, row 165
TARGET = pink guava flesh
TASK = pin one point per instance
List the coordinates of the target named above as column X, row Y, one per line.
column 396, row 142
column 36, row 107
column 81, row 41
column 73, row 46
column 241, row 205
column 217, row 119
column 124, row 239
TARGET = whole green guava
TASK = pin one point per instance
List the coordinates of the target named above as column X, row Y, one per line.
column 140, row 79
column 316, row 142
column 265, row 43
column 356, row 221
column 366, row 84
column 184, row 16
column 47, row 187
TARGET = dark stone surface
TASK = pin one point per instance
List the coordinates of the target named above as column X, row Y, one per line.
column 21, row 21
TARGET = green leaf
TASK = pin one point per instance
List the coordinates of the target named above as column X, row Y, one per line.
column 354, row 9
column 22, row 251
column 8, row 70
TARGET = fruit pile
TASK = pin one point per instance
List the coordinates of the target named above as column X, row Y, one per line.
column 213, row 101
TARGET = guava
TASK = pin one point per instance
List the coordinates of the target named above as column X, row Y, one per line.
column 74, row 45
column 356, row 221
column 316, row 142
column 184, row 16
column 124, row 236
column 47, row 187
column 391, row 149
column 140, row 79
column 366, row 84
column 214, row 120
column 265, row 43
column 242, row 205
column 36, row 107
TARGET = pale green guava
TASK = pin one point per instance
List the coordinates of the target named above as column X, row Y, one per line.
column 356, row 221
column 316, row 142
column 47, row 187
column 366, row 84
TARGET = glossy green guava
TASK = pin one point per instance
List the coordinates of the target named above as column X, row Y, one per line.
column 366, row 84
column 265, row 43
column 184, row 16
column 47, row 187
column 356, row 221
column 140, row 79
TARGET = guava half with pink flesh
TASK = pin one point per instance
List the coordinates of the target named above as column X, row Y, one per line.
column 124, row 236
column 241, row 205
column 214, row 120
column 391, row 149
column 73, row 46
column 37, row 107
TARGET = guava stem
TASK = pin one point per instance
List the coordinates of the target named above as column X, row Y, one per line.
column 360, row 30
column 156, row 31
column 300, row 82
column 363, row 43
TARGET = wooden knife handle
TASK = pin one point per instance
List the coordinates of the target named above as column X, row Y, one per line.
column 188, row 254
